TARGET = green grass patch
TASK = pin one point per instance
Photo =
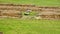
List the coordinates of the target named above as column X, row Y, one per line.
column 18, row 26
column 34, row 2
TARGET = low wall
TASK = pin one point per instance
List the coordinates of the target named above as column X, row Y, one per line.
column 14, row 9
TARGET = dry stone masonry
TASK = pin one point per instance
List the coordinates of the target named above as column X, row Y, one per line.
column 15, row 10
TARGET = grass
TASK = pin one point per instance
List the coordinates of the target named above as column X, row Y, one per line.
column 34, row 2
column 18, row 26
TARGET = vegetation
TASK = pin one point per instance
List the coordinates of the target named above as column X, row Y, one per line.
column 34, row 2
column 19, row 26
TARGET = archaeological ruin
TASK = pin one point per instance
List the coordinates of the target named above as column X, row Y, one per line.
column 15, row 10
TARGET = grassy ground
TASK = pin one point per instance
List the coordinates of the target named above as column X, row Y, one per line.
column 35, row 2
column 18, row 26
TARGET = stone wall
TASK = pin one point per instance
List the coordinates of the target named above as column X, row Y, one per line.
column 14, row 10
